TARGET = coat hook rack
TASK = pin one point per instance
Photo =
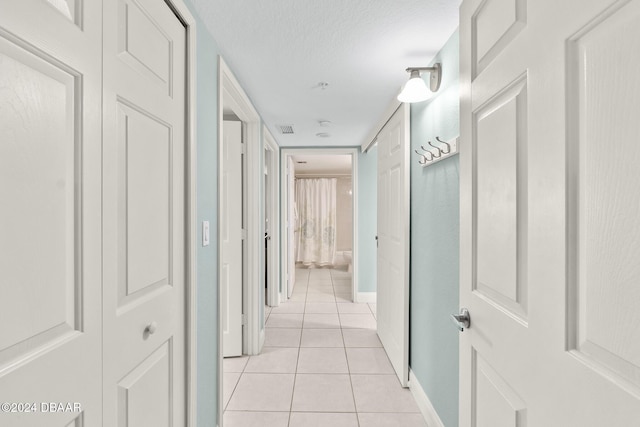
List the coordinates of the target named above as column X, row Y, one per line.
column 437, row 156
column 445, row 143
column 425, row 159
column 435, row 153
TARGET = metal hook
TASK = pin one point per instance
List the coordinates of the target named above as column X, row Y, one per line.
column 440, row 151
column 424, row 160
column 445, row 143
column 432, row 153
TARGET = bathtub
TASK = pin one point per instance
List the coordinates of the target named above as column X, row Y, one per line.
column 343, row 258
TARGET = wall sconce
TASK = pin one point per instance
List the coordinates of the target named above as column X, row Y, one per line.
column 415, row 90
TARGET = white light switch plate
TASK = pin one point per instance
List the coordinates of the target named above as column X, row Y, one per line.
column 205, row 233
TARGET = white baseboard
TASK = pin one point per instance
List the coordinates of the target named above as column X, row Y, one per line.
column 366, row 297
column 428, row 412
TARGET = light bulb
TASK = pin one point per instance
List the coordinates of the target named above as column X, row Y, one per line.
column 415, row 90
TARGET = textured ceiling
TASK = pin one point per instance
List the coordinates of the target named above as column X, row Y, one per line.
column 281, row 49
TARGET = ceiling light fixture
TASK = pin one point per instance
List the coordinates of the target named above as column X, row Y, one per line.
column 415, row 90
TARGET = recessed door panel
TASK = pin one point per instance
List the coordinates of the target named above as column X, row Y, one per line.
column 77, row 422
column 500, row 144
column 70, row 9
column 144, row 45
column 145, row 393
column 607, row 242
column 495, row 24
column 497, row 405
column 40, row 229
column 145, row 194
column 395, row 205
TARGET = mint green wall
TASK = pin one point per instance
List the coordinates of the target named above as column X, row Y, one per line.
column 434, row 244
column 207, row 193
column 367, row 219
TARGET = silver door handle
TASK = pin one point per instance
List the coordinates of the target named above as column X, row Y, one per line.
column 462, row 320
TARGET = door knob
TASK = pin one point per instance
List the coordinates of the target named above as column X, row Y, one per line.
column 462, row 320
column 151, row 328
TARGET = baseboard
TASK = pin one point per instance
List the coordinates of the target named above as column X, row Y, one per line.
column 428, row 412
column 366, row 297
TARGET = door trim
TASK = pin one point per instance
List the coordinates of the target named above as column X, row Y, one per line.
column 231, row 94
column 182, row 12
column 274, row 168
column 291, row 151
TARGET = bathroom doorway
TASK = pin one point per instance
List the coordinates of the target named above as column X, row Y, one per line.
column 319, row 206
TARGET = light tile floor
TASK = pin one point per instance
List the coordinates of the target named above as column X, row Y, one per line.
column 322, row 365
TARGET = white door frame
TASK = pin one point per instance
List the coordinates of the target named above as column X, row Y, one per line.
column 271, row 145
column 285, row 153
column 191, row 218
column 231, row 94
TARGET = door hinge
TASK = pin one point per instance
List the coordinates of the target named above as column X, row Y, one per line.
column 244, row 234
column 243, row 148
column 243, row 319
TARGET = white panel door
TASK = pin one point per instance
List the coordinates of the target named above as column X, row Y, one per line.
column 292, row 226
column 144, row 214
column 550, row 213
column 393, row 241
column 50, row 219
column 231, row 239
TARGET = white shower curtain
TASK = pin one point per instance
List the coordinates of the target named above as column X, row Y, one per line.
column 316, row 202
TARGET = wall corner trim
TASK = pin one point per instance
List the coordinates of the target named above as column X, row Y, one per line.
column 428, row 411
column 370, row 297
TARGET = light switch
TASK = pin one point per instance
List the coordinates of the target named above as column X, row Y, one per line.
column 205, row 233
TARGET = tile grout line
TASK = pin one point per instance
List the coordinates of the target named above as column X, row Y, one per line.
column 235, row 387
column 344, row 344
column 295, row 373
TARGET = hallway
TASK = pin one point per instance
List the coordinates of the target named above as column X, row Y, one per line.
column 322, row 365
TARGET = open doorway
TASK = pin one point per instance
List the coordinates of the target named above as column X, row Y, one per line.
column 319, row 189
column 271, row 209
column 240, row 226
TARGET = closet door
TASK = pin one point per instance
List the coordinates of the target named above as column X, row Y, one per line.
column 393, row 241
column 50, row 216
column 144, row 215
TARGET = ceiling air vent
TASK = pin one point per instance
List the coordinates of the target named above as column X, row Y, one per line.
column 286, row 129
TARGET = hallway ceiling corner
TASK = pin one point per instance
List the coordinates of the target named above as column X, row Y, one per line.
column 283, row 51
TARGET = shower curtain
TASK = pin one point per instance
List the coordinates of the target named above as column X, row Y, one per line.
column 316, row 203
